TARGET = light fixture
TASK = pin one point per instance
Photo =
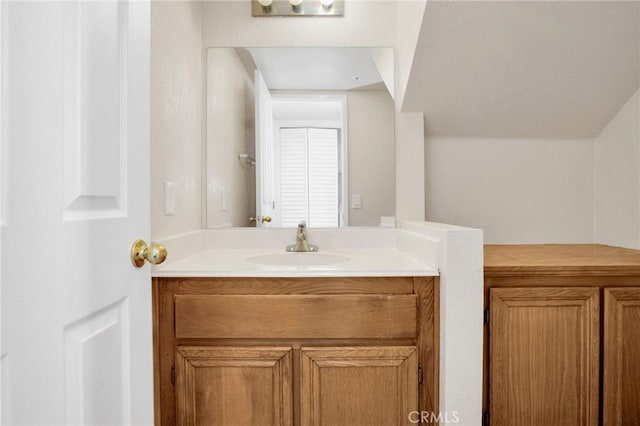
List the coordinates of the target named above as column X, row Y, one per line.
column 266, row 5
column 295, row 5
column 297, row 8
column 326, row 4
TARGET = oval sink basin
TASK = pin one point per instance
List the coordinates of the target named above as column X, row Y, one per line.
column 298, row 259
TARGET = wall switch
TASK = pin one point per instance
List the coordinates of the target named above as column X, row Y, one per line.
column 170, row 198
column 356, row 201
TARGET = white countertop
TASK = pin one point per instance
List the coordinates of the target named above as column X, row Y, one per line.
column 376, row 262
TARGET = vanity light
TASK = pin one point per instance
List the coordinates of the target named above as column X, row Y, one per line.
column 295, row 5
column 297, row 8
column 266, row 5
column 326, row 4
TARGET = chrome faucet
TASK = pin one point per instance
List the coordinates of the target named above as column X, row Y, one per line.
column 302, row 244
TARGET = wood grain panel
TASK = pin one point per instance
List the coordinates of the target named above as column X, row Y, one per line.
column 306, row 285
column 358, row 386
column 560, row 259
column 234, row 386
column 621, row 356
column 541, row 280
column 295, row 316
column 423, row 291
column 157, row 365
column 428, row 292
column 544, row 353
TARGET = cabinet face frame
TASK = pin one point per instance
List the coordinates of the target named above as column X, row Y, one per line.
column 621, row 357
column 505, row 356
column 424, row 290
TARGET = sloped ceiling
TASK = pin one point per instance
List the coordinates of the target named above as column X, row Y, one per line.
column 542, row 69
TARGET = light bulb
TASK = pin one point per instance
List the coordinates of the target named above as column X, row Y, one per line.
column 327, row 3
column 265, row 3
column 295, row 3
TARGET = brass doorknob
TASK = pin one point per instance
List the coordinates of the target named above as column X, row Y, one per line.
column 155, row 253
column 262, row 219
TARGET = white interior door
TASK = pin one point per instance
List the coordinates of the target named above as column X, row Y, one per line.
column 76, row 315
column 265, row 197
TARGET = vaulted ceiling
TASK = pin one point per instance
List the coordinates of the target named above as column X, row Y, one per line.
column 535, row 69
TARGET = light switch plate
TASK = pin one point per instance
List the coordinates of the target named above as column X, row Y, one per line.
column 356, row 201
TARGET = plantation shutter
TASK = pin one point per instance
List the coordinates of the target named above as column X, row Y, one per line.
column 323, row 177
column 293, row 177
column 309, row 177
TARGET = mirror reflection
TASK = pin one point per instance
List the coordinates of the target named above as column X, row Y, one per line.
column 299, row 134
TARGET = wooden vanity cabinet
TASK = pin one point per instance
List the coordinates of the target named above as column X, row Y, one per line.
column 295, row 351
column 562, row 335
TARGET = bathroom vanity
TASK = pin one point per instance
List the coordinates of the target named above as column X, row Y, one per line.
column 304, row 351
column 350, row 335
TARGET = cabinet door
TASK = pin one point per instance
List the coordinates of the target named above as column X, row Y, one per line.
column 234, row 386
column 358, row 386
column 544, row 349
column 621, row 356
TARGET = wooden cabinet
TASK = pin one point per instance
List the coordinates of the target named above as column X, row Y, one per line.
column 544, row 356
column 233, row 386
column 358, row 386
column 621, row 372
column 563, row 335
column 295, row 351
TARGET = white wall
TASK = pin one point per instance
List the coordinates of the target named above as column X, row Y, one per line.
column 176, row 114
column 410, row 158
column 230, row 131
column 371, row 155
column 516, row 190
column 541, row 190
column 459, row 260
column 617, row 178
column 409, row 17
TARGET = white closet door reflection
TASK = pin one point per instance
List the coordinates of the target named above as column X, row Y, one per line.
column 309, row 179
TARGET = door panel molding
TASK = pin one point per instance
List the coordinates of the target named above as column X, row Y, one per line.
column 87, row 390
column 95, row 60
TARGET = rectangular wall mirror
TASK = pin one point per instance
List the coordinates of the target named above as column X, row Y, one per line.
column 299, row 134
